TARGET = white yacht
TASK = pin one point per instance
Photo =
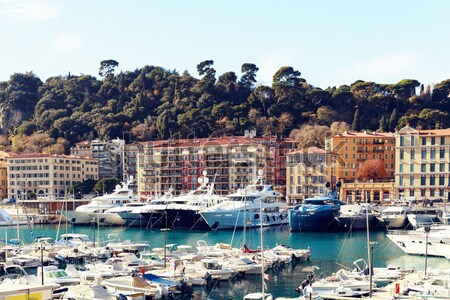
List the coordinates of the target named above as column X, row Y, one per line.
column 112, row 215
column 93, row 211
column 242, row 209
column 183, row 213
column 134, row 217
column 435, row 243
column 395, row 216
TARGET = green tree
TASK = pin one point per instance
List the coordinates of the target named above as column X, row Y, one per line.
column 106, row 185
column 248, row 78
column 356, row 125
column 107, row 67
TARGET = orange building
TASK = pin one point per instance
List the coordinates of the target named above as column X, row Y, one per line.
column 350, row 149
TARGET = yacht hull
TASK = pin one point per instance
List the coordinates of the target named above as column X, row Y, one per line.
column 133, row 219
column 155, row 220
column 186, row 219
column 230, row 220
column 356, row 223
column 312, row 220
column 77, row 217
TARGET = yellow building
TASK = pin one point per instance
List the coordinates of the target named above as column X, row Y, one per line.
column 46, row 175
column 4, row 174
column 422, row 168
column 351, row 149
column 306, row 174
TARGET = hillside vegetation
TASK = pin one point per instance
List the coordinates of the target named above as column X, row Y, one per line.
column 156, row 103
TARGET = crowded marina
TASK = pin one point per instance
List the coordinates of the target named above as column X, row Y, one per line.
column 87, row 257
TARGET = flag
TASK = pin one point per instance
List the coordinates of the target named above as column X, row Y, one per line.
column 265, row 286
column 266, row 276
column 174, row 266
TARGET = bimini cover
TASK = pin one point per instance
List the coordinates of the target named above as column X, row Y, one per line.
column 159, row 280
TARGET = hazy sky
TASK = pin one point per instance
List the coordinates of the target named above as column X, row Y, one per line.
column 330, row 42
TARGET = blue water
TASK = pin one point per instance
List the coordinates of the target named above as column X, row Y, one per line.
column 329, row 251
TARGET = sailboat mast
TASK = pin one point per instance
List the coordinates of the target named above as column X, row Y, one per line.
column 262, row 246
column 244, row 217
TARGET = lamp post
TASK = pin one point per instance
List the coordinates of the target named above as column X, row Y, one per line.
column 427, row 230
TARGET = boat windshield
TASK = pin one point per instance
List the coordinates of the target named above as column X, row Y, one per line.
column 212, row 265
column 239, row 198
column 57, row 274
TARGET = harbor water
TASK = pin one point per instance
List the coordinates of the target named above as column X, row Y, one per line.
column 330, row 251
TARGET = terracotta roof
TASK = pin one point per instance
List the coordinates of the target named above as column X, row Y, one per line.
column 439, row 132
column 201, row 142
column 38, row 155
column 365, row 134
column 314, row 150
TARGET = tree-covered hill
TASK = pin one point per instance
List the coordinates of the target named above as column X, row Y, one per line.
column 156, row 103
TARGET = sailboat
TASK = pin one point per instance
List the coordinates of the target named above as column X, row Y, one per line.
column 260, row 295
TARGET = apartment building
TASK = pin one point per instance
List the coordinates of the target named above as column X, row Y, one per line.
column 230, row 162
column 306, row 174
column 422, row 169
column 4, row 173
column 130, row 152
column 350, row 149
column 109, row 155
column 46, row 175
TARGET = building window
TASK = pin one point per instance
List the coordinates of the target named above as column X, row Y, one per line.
column 402, row 141
column 412, row 141
column 413, row 154
column 441, row 192
column 411, row 180
column 433, row 153
column 432, row 193
column 423, row 180
column 441, row 180
column 432, row 168
column 433, row 140
column 442, row 153
column 441, row 167
column 402, row 154
column 424, row 153
column 411, row 168
column 401, row 168
column 423, row 168
column 432, row 180
column 424, row 141
column 411, row 193
column 401, row 180
column 442, row 140
column 422, row 193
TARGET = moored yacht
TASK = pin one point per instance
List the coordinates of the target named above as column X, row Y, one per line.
column 356, row 217
column 315, row 214
column 423, row 216
column 242, row 209
column 135, row 217
column 186, row 215
column 395, row 216
column 92, row 212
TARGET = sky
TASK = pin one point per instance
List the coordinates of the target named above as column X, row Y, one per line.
column 331, row 42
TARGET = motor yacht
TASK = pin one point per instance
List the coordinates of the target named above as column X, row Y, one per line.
column 315, row 214
column 242, row 209
column 93, row 212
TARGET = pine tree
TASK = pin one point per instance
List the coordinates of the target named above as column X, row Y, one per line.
column 382, row 126
column 356, row 120
column 393, row 120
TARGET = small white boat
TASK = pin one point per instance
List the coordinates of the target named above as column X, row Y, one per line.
column 125, row 246
column 53, row 275
column 258, row 296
